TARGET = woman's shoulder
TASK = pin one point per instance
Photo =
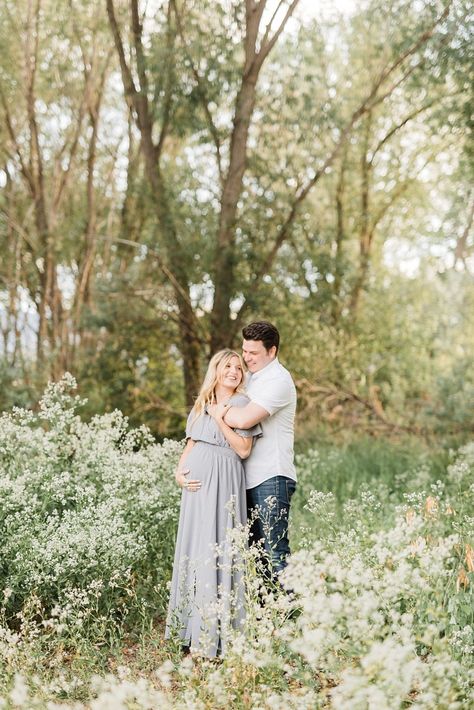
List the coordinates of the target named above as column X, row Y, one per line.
column 191, row 415
column 194, row 418
column 239, row 400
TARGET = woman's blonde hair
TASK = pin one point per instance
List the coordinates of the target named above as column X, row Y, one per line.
column 207, row 393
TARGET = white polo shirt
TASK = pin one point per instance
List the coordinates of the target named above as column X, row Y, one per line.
column 272, row 454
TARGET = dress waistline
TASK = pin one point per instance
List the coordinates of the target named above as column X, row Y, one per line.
column 219, row 450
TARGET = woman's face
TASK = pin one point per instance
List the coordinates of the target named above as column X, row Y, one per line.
column 231, row 373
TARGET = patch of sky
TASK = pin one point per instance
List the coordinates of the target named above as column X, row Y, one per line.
column 235, row 305
column 202, row 296
column 26, row 322
column 67, row 284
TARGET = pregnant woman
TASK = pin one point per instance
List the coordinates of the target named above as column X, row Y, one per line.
column 207, row 587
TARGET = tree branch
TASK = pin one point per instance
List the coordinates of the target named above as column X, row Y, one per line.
column 268, row 44
column 168, row 89
column 367, row 104
column 270, row 23
column 398, row 126
column 137, row 31
column 253, row 15
column 129, row 84
column 461, row 249
column 11, row 132
column 201, row 92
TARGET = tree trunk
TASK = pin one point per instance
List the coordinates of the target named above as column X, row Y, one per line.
column 340, row 236
column 225, row 259
column 365, row 232
column 136, row 95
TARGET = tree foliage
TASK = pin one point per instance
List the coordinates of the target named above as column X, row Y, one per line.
column 171, row 170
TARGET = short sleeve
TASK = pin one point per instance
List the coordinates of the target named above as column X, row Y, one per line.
column 189, row 423
column 241, row 400
column 278, row 393
column 255, row 431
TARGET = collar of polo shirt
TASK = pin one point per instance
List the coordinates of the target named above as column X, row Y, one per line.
column 264, row 370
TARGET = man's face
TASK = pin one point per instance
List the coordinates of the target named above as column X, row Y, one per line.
column 255, row 355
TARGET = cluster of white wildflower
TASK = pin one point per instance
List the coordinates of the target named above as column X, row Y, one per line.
column 377, row 612
column 374, row 619
column 86, row 507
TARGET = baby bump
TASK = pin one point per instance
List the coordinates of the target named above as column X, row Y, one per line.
column 207, row 460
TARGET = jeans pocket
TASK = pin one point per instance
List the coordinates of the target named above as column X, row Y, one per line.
column 290, row 488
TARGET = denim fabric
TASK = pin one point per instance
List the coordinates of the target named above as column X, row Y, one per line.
column 271, row 502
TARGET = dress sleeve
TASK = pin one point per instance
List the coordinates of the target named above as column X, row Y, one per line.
column 255, row 431
column 189, row 423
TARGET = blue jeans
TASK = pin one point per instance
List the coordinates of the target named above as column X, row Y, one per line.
column 268, row 507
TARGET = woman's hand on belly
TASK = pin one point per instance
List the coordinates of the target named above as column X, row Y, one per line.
column 191, row 485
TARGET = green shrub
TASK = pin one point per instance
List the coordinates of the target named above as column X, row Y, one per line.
column 88, row 511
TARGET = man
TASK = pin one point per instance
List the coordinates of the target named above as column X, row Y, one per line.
column 269, row 471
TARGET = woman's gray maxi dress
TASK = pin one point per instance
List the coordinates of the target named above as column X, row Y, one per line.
column 207, row 587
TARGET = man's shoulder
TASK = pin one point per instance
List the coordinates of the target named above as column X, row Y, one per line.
column 281, row 375
column 274, row 391
column 276, row 371
column 285, row 372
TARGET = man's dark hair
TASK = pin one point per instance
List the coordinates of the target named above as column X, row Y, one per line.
column 264, row 331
